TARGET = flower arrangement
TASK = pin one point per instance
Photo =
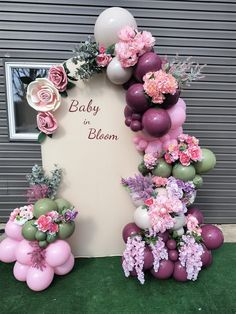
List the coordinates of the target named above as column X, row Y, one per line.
column 21, row 215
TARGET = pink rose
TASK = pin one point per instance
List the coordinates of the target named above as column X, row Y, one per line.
column 184, row 158
column 195, row 153
column 148, row 202
column 46, row 122
column 57, row 75
column 127, row 33
column 103, row 59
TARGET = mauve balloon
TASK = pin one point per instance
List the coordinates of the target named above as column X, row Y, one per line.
column 170, row 100
column 173, row 255
column 197, row 214
column 136, row 126
column 206, row 257
column 136, row 99
column 171, row 244
column 165, row 270
column 164, row 235
column 148, row 62
column 148, row 259
column 129, row 83
column 128, row 111
column 130, row 229
column 212, row 237
column 156, row 122
column 180, row 273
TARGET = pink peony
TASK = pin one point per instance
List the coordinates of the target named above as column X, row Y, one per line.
column 159, row 181
column 57, row 75
column 184, row 158
column 195, row 153
column 44, row 223
column 127, row 33
column 46, row 122
column 103, row 59
column 192, row 224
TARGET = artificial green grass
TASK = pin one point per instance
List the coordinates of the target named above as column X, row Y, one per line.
column 97, row 285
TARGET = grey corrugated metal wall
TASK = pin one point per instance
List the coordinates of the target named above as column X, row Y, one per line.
column 47, row 30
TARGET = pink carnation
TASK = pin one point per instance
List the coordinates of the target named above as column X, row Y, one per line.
column 195, row 153
column 44, row 223
column 192, row 224
column 53, row 228
column 148, row 40
column 184, row 158
column 127, row 33
column 58, row 77
column 159, row 181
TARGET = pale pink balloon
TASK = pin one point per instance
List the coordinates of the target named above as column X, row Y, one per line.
column 57, row 253
column 38, row 279
column 175, row 132
column 143, row 145
column 23, row 252
column 66, row 267
column 8, row 248
column 177, row 116
column 154, row 147
column 181, row 103
column 167, row 143
column 136, row 139
column 20, row 271
column 165, row 137
column 13, row 230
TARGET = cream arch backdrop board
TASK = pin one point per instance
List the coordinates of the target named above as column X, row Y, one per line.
column 94, row 148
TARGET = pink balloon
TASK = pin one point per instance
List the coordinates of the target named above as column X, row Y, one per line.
column 57, row 253
column 38, row 279
column 165, row 137
column 13, row 230
column 22, row 252
column 154, row 147
column 175, row 132
column 20, row 271
column 66, row 267
column 143, row 145
column 136, row 139
column 177, row 117
column 8, row 248
column 181, row 103
column 167, row 143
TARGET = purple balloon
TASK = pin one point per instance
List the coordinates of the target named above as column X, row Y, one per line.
column 128, row 111
column 165, row 270
column 212, row 237
column 170, row 100
column 129, row 83
column 136, row 116
column 136, row 99
column 148, row 62
column 156, row 122
column 180, row 273
column 129, row 230
column 136, row 126
column 173, row 255
column 128, row 121
column 206, row 257
column 148, row 259
column 171, row 244
column 197, row 214
column 164, row 236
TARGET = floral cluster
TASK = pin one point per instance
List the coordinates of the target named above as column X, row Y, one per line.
column 158, row 84
column 21, row 215
column 132, row 44
column 149, row 161
column 159, row 253
column 186, row 150
column 103, row 58
column 190, row 253
column 193, row 225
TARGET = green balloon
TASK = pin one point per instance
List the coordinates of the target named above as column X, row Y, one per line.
column 43, row 206
column 66, row 229
column 40, row 236
column 143, row 169
column 29, row 230
column 62, row 204
column 197, row 181
column 51, row 237
column 185, row 173
column 162, row 169
column 207, row 163
column 43, row 244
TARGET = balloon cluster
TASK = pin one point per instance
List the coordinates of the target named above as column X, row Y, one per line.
column 35, row 242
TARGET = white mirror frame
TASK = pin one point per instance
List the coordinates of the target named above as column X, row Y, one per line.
column 13, row 135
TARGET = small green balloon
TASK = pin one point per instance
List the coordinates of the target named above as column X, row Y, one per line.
column 43, row 206
column 29, row 230
column 207, row 163
column 66, row 229
column 62, row 204
column 143, row 169
column 40, row 236
column 162, row 169
column 51, row 237
column 43, row 244
column 185, row 173
column 197, row 181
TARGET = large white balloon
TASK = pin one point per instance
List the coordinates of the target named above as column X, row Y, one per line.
column 180, row 221
column 116, row 74
column 141, row 218
column 110, row 22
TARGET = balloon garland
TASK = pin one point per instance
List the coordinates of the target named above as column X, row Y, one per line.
column 36, row 233
column 167, row 236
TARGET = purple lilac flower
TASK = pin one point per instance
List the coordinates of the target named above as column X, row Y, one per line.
column 159, row 252
column 70, row 215
column 190, row 256
column 174, row 188
column 133, row 257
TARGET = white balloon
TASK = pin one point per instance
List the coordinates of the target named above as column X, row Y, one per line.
column 180, row 231
column 141, row 218
column 179, row 222
column 110, row 22
column 116, row 74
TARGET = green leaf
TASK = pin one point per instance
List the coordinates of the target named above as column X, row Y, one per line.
column 26, row 79
column 65, row 67
column 72, row 78
column 70, row 85
column 111, row 49
column 41, row 137
column 64, row 94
